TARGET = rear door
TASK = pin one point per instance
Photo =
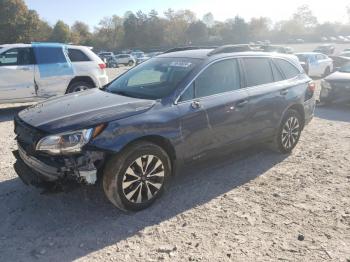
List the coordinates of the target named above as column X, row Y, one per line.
column 214, row 109
column 53, row 71
column 265, row 84
column 17, row 74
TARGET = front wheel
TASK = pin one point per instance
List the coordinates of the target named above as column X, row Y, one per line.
column 289, row 132
column 131, row 63
column 136, row 177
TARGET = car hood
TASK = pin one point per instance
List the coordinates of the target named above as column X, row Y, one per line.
column 81, row 110
column 338, row 76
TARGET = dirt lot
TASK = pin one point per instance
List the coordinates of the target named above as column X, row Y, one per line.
column 251, row 206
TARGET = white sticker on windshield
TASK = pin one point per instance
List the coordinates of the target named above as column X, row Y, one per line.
column 181, row 64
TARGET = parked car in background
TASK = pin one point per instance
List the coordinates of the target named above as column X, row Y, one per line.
column 105, row 54
column 339, row 61
column 277, row 49
column 335, row 88
column 315, row 64
column 125, row 59
column 164, row 114
column 325, row 49
column 142, row 59
column 324, row 39
column 112, row 62
column 332, row 38
column 30, row 72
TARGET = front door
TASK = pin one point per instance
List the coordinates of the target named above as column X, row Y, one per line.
column 221, row 109
column 17, row 74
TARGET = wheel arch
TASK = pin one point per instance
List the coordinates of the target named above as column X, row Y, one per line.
column 86, row 79
column 160, row 141
column 300, row 109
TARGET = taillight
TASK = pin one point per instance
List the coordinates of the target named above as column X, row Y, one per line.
column 311, row 87
column 102, row 66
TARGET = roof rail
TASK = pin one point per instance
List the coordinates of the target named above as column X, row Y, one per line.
column 185, row 48
column 232, row 49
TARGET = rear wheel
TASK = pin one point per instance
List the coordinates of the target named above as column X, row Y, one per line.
column 79, row 86
column 289, row 132
column 131, row 63
column 136, row 177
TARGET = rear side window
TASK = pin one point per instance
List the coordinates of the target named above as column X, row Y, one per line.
column 76, row 55
column 218, row 78
column 258, row 71
column 289, row 70
column 276, row 73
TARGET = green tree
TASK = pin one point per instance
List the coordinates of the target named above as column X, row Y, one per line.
column 109, row 34
column 17, row 23
column 259, row 28
column 208, row 20
column 304, row 16
column 81, row 33
column 197, row 33
column 60, row 33
column 44, row 32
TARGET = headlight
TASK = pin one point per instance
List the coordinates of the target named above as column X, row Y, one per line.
column 69, row 142
column 326, row 84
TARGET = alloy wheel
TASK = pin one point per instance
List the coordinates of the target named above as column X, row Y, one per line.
column 290, row 132
column 143, row 179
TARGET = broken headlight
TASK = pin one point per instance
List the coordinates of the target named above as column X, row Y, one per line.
column 65, row 143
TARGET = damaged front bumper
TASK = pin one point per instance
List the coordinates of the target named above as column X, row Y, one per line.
column 41, row 170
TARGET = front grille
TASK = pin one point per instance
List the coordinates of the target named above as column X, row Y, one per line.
column 26, row 135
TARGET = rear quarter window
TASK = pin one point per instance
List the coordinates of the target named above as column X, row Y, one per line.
column 76, row 55
column 289, row 70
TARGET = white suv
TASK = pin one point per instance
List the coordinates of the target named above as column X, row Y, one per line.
column 30, row 72
column 125, row 59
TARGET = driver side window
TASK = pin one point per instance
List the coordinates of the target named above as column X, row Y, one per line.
column 17, row 56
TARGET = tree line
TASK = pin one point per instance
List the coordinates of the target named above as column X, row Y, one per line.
column 152, row 31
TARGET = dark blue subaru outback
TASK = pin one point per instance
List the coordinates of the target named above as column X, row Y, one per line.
column 169, row 111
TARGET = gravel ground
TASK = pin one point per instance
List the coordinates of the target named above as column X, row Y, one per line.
column 254, row 205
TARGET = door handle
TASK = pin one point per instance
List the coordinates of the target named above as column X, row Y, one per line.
column 196, row 104
column 242, row 103
column 284, row 92
column 25, row 69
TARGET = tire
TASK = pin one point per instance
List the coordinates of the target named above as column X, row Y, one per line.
column 287, row 138
column 78, row 86
column 131, row 63
column 127, row 186
column 327, row 71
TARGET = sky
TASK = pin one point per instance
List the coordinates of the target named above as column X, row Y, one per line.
column 91, row 11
